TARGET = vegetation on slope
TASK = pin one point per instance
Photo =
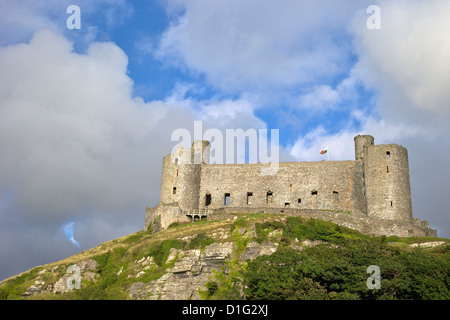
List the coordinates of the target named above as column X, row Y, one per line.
column 337, row 267
column 314, row 260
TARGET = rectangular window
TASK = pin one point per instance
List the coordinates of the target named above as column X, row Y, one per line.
column 227, row 199
column 174, row 190
column 207, row 199
column 249, row 197
column 391, row 203
column 335, row 195
column 299, row 200
column 314, row 192
column 269, row 197
column 387, row 169
column 388, row 154
column 286, row 205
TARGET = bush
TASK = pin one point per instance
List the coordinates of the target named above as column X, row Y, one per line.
column 211, row 289
column 324, row 272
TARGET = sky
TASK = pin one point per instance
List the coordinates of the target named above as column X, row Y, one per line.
column 86, row 114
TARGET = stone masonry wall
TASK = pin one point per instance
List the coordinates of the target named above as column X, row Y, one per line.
column 303, row 185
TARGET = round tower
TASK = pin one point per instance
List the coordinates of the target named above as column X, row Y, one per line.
column 180, row 181
column 170, row 175
column 362, row 142
column 388, row 193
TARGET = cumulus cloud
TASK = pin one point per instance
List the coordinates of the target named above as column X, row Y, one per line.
column 222, row 112
column 20, row 19
column 76, row 143
column 321, row 98
column 340, row 144
column 407, row 59
column 258, row 44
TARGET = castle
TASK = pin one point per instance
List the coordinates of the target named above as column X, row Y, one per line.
column 371, row 194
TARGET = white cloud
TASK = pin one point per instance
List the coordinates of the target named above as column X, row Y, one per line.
column 20, row 19
column 340, row 144
column 407, row 59
column 75, row 143
column 321, row 98
column 220, row 112
column 259, row 44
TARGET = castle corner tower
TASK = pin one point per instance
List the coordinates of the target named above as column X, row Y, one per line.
column 386, row 179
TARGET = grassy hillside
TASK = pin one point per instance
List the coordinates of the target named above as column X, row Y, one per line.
column 313, row 260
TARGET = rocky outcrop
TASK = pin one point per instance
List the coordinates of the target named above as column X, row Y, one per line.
column 193, row 269
column 431, row 244
column 87, row 272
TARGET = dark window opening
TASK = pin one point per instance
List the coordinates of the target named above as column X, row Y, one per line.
column 391, row 203
column 227, row 199
column 249, row 197
column 286, row 205
column 269, row 197
column 177, row 172
column 174, row 190
column 299, row 200
column 387, row 169
column 335, row 195
column 388, row 154
column 314, row 192
column 207, row 199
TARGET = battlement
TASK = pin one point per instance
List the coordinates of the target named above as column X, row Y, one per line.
column 375, row 186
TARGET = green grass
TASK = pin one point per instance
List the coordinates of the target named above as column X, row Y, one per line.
column 320, row 272
column 263, row 229
column 200, row 241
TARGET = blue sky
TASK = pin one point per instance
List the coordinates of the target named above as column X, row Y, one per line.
column 86, row 115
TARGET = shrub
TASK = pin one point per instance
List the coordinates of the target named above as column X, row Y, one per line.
column 324, row 272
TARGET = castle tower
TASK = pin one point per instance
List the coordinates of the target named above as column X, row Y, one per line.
column 362, row 142
column 180, row 181
column 200, row 151
column 387, row 185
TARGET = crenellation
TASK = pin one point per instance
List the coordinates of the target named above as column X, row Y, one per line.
column 372, row 190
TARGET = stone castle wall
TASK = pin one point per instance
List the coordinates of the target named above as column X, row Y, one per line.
column 302, row 185
column 374, row 187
